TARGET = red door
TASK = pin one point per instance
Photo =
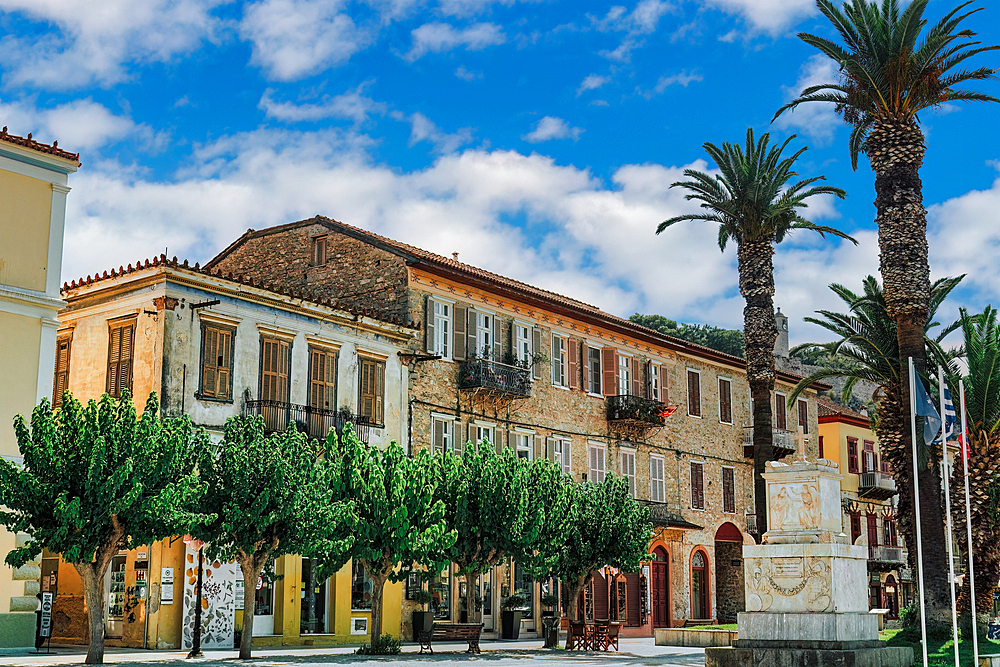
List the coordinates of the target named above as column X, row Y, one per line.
column 660, row 589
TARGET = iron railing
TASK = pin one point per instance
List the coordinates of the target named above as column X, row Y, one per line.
column 751, row 523
column 876, row 485
column 887, row 555
column 635, row 409
column 489, row 374
column 782, row 443
column 314, row 422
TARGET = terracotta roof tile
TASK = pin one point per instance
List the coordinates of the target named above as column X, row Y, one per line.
column 828, row 408
column 28, row 142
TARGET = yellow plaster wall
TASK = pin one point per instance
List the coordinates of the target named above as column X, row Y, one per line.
column 20, row 340
column 830, row 432
column 8, row 587
column 835, row 436
column 25, row 216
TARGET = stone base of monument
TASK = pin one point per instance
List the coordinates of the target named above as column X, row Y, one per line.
column 882, row 656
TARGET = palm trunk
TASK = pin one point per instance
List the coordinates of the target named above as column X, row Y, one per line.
column 756, row 270
column 92, row 575
column 896, row 151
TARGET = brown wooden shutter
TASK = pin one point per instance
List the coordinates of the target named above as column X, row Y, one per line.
column 694, row 394
column 380, row 393
column 460, row 321
column 725, row 401
column 429, row 326
column 120, row 340
column 61, row 380
column 536, row 347
column 636, row 380
column 664, row 384
column 274, row 370
column 609, row 366
column 573, row 363
column 780, row 418
column 697, row 486
column 803, row 416
column 728, row 490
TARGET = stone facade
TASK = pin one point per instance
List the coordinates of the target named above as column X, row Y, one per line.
column 688, row 514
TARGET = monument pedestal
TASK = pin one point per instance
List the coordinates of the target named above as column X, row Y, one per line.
column 806, row 587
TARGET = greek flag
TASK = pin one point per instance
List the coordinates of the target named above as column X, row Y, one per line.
column 951, row 425
column 925, row 408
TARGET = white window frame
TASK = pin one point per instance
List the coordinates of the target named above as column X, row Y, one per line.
column 657, row 486
column 624, row 374
column 448, row 434
column 626, row 459
column 523, row 342
column 485, row 430
column 731, row 407
column 559, row 370
column 562, row 453
column 524, row 441
column 484, row 334
column 598, row 474
column 444, row 315
column 654, row 380
column 600, row 370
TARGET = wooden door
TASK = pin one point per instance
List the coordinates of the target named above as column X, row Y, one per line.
column 660, row 589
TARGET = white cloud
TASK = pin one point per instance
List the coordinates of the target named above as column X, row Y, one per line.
column 549, row 128
column 815, row 119
column 467, row 8
column 94, row 43
column 467, row 75
column 423, row 128
column 642, row 20
column 293, row 39
column 351, row 105
column 441, row 37
column 772, row 16
column 682, row 78
column 79, row 125
column 592, row 82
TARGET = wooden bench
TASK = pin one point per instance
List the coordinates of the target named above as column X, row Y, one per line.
column 440, row 632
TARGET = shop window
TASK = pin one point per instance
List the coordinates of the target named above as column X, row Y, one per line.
column 362, row 587
column 440, row 589
column 524, row 585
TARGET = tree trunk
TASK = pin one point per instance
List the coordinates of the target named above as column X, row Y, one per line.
column 92, row 575
column 756, row 270
column 252, row 568
column 378, row 584
column 472, row 582
column 574, row 588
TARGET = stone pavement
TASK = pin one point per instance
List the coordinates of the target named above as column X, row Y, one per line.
column 632, row 653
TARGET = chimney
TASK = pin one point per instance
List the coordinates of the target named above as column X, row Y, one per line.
column 781, row 344
column 454, row 256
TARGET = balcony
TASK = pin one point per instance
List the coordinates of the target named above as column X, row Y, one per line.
column 662, row 516
column 884, row 558
column 492, row 377
column 314, row 422
column 782, row 443
column 876, row 485
column 634, row 417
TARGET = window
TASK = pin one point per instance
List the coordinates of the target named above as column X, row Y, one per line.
column 852, row 455
column 558, row 360
column 594, row 370
column 61, row 381
column 871, row 460
column 362, row 587
column 697, row 485
column 729, row 490
column 657, row 491
column 522, row 343
column 216, row 362
column 624, row 375
column 872, row 530
column 443, row 434
column 803, row 408
column 780, row 418
column 274, row 365
column 480, row 432
column 319, row 251
column 855, row 527
column 694, row 393
column 889, row 535
column 598, row 463
column 441, row 338
column 322, row 379
column 560, row 454
column 120, row 344
column 484, row 336
column 372, row 390
column 654, row 381
column 821, row 454
column 524, row 445
column 725, row 401
column 628, row 470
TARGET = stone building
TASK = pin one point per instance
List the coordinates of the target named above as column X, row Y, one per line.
column 550, row 376
column 33, row 189
column 868, row 494
column 213, row 347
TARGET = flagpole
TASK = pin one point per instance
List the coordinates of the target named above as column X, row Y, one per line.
column 968, row 526
column 947, row 513
column 916, row 515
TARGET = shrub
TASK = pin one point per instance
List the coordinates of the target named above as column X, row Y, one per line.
column 384, row 645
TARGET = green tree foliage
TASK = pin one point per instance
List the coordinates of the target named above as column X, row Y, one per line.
column 729, row 341
column 272, row 496
column 502, row 506
column 399, row 524
column 96, row 479
column 607, row 527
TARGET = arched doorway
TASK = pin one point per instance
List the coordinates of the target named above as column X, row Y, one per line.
column 891, row 597
column 701, row 601
column 660, row 588
column 729, row 593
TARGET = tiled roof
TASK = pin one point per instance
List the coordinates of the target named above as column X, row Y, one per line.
column 28, row 142
column 829, row 409
column 174, row 263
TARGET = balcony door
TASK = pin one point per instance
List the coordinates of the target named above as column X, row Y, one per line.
column 322, row 392
column 274, row 370
column 660, row 588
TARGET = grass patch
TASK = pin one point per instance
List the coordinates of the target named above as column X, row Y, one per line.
column 721, row 626
column 940, row 651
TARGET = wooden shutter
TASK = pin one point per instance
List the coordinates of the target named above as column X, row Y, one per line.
column 728, row 490
column 460, row 320
column 694, row 393
column 120, row 341
column 609, row 366
column 697, row 486
column 501, row 438
column 573, row 363
column 550, row 450
column 852, row 455
column 536, row 444
column 780, row 418
column 536, row 346
column 457, row 444
column 379, row 393
column 497, row 346
column 664, row 385
column 429, row 326
column 216, row 362
column 725, row 401
column 437, row 435
column 61, row 380
column 471, row 328
column 274, row 370
column 636, row 380
column 322, row 379
column 803, row 416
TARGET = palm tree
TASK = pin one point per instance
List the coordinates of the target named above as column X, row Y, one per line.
column 982, row 349
column 865, row 338
column 754, row 206
column 889, row 73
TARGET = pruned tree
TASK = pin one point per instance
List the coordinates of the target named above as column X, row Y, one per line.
column 399, row 524
column 271, row 496
column 96, row 479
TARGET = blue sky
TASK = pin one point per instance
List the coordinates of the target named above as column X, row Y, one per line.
column 536, row 138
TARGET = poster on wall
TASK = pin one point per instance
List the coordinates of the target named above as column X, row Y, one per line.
column 218, row 601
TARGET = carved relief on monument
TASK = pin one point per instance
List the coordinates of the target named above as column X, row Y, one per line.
column 805, row 578
column 795, row 507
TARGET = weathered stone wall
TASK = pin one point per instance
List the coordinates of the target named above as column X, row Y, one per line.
column 729, row 579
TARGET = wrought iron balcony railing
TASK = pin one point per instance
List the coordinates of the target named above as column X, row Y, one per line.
column 495, row 376
column 782, row 443
column 314, row 422
column 883, row 558
column 625, row 408
column 752, row 523
column 876, row 485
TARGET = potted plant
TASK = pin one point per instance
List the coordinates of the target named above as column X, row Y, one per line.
column 550, row 602
column 550, row 620
column 423, row 620
column 511, row 610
